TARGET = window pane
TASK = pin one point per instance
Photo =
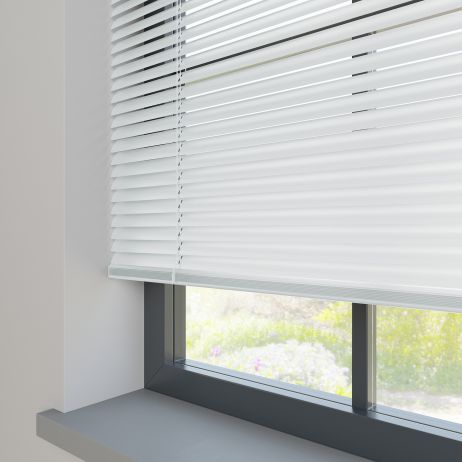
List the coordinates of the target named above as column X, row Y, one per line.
column 419, row 361
column 291, row 339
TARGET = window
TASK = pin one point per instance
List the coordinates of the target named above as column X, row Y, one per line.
column 307, row 343
column 177, row 367
column 294, row 340
column 308, row 148
column 419, row 361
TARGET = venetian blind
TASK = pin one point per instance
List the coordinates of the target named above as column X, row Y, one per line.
column 307, row 147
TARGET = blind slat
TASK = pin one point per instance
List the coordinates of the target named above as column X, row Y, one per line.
column 278, row 116
column 131, row 16
column 240, row 23
column 380, row 22
column 435, row 130
column 138, row 39
column 407, row 114
column 310, row 147
column 281, row 86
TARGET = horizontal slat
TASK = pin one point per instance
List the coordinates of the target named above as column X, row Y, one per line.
column 143, row 141
column 407, row 114
column 343, row 198
column 372, row 215
column 355, row 215
column 350, row 48
column 246, row 96
column 403, row 94
column 345, row 161
column 141, row 128
column 158, row 275
column 324, row 38
column 133, row 66
column 142, row 221
column 137, row 155
column 399, row 275
column 144, row 36
column 139, row 260
column 445, row 129
column 334, row 62
column 307, row 100
column 416, row 112
column 124, row 6
column 144, row 181
column 143, row 24
column 145, row 234
column 149, row 166
column 249, row 199
column 321, row 254
column 163, row 97
column 130, row 16
column 332, row 193
column 191, row 6
column 219, row 9
column 207, row 22
column 146, row 247
column 164, row 76
column 136, row 116
column 410, row 235
column 145, row 207
column 396, row 185
column 208, row 49
column 403, row 292
column 145, row 194
column 138, row 51
column 240, row 26
column 446, row 65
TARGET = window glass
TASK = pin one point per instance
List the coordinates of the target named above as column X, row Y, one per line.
column 419, row 361
column 295, row 340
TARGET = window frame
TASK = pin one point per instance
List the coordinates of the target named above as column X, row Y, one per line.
column 378, row 433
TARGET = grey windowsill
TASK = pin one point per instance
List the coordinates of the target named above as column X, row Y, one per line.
column 145, row 426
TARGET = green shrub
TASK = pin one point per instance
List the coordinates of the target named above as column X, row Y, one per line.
column 419, row 349
column 416, row 349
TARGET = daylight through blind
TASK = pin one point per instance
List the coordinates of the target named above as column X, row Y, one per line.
column 308, row 147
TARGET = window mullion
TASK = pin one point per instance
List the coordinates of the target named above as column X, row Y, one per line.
column 363, row 353
column 179, row 323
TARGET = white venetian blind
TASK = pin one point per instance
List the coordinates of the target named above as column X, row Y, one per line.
column 309, row 147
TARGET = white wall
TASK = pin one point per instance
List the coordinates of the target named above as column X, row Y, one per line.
column 32, row 224
column 103, row 317
column 68, row 335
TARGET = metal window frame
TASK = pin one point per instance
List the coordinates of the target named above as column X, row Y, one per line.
column 320, row 417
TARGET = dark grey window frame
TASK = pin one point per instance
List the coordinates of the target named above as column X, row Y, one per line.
column 380, row 434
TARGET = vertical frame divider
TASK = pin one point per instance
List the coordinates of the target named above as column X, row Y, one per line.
column 158, row 328
column 179, row 323
column 364, row 357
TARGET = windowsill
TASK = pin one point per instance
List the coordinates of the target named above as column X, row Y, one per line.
column 146, row 426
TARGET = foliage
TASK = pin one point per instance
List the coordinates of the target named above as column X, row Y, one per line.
column 416, row 349
column 419, row 349
column 306, row 364
column 237, row 339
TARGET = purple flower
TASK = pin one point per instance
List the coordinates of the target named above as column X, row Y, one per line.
column 216, row 351
column 257, row 364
